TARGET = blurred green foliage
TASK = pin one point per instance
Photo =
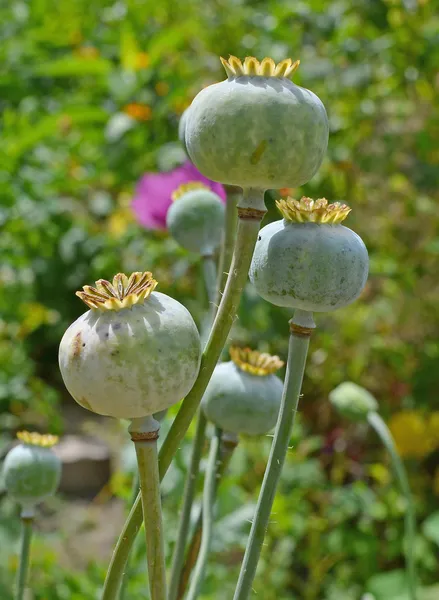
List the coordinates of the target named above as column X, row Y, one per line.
column 89, row 93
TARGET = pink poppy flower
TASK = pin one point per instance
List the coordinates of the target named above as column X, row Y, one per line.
column 154, row 190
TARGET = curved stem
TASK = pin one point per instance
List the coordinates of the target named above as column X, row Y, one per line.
column 383, row 432
column 228, row 444
column 23, row 567
column 301, row 327
column 145, row 433
column 122, row 551
column 253, row 210
column 208, row 505
column 188, row 497
column 233, row 195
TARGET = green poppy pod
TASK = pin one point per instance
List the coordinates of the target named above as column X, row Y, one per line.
column 134, row 353
column 182, row 128
column 257, row 128
column 309, row 260
column 31, row 470
column 195, row 219
column 353, row 401
column 243, row 395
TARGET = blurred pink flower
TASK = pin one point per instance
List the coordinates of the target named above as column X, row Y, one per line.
column 153, row 193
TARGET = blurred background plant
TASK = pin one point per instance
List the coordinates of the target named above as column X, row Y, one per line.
column 90, row 96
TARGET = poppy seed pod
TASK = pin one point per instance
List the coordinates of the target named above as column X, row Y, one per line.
column 182, row 128
column 309, row 260
column 257, row 128
column 134, row 353
column 353, row 401
column 243, row 395
column 196, row 218
column 31, row 470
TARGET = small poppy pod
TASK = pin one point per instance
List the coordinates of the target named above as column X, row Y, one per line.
column 196, row 218
column 243, row 395
column 353, row 401
column 134, row 353
column 257, row 128
column 309, row 260
column 31, row 470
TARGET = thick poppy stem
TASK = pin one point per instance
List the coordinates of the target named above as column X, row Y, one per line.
column 301, row 327
column 144, row 433
column 27, row 522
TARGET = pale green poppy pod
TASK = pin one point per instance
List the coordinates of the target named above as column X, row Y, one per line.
column 31, row 470
column 353, row 401
column 195, row 219
column 257, row 128
column 136, row 352
column 309, row 260
column 182, row 128
column 243, row 395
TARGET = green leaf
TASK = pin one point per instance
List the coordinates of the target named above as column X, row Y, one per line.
column 74, row 67
column 388, row 586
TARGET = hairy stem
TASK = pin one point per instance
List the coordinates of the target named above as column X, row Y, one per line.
column 208, row 505
column 228, row 445
column 301, row 327
column 250, row 213
column 145, row 433
column 188, row 497
column 383, row 432
column 23, row 567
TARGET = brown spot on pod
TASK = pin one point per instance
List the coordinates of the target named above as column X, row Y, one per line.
column 76, row 346
column 85, row 404
column 258, row 152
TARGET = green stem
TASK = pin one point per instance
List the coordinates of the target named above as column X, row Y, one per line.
column 246, row 235
column 23, row 568
column 301, row 326
column 208, row 504
column 210, row 279
column 189, row 493
column 122, row 551
column 134, row 491
column 210, row 276
column 145, row 434
column 383, row 432
column 229, row 442
column 225, row 258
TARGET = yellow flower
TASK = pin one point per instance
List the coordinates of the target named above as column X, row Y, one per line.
column 141, row 61
column 139, row 112
column 119, row 221
column 411, row 433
